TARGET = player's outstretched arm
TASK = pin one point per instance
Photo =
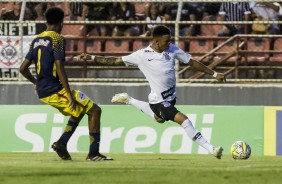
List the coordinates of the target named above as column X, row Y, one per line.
column 203, row 68
column 113, row 61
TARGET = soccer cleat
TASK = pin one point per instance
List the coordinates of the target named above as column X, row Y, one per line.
column 217, row 152
column 98, row 157
column 121, row 98
column 61, row 150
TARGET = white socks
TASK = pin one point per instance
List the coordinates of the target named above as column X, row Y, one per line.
column 143, row 106
column 187, row 124
column 196, row 136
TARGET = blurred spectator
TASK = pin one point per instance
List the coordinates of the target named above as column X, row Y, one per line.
column 152, row 15
column 211, row 9
column 14, row 14
column 30, row 6
column 147, row 9
column 40, row 10
column 2, row 12
column 95, row 12
column 161, row 8
column 76, row 8
column 124, row 12
column 200, row 9
column 64, row 6
column 188, row 13
column 280, row 9
column 265, row 11
column 37, row 10
column 5, row 7
column 234, row 11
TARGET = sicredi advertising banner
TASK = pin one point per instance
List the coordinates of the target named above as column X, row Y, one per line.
column 273, row 131
column 124, row 129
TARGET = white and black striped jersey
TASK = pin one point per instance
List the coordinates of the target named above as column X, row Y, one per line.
column 159, row 70
column 234, row 11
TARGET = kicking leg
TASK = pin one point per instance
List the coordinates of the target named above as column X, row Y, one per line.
column 196, row 136
column 124, row 98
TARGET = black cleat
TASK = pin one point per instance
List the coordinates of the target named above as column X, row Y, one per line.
column 61, row 150
column 98, row 157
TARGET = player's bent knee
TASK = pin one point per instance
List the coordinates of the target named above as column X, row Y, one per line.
column 95, row 110
column 161, row 121
column 158, row 119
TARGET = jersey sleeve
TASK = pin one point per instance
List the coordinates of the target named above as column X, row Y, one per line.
column 58, row 48
column 222, row 10
column 29, row 55
column 182, row 56
column 132, row 59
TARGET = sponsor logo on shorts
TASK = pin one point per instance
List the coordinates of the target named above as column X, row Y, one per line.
column 166, row 104
column 82, row 96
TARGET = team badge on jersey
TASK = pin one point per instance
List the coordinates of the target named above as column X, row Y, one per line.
column 166, row 56
column 8, row 52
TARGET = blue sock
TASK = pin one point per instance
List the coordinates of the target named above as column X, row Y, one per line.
column 94, row 143
column 69, row 130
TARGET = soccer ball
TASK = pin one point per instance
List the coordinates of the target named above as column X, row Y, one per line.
column 240, row 150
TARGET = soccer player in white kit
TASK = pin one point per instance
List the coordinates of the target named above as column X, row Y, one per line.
column 157, row 64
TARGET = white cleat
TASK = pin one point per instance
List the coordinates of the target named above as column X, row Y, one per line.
column 121, row 98
column 217, row 152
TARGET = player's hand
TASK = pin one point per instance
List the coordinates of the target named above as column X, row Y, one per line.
column 72, row 105
column 84, row 56
column 220, row 77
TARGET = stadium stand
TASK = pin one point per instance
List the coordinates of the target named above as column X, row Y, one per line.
column 7, row 5
column 210, row 30
column 258, row 44
column 258, row 50
column 200, row 47
column 183, row 44
column 73, row 30
column 117, row 46
column 227, row 48
column 92, row 46
column 139, row 44
column 139, row 9
column 278, row 47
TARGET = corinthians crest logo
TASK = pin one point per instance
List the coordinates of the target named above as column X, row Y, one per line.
column 8, row 51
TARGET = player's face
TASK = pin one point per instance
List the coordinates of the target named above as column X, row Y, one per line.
column 163, row 42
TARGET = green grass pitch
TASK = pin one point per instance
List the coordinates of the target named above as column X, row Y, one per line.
column 47, row 168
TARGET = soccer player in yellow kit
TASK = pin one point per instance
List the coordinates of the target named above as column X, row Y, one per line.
column 47, row 51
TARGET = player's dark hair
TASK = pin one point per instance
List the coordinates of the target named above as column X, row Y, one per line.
column 160, row 31
column 54, row 15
